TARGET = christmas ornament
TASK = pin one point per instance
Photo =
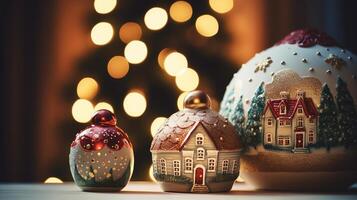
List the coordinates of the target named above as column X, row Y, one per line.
column 196, row 149
column 294, row 107
column 101, row 156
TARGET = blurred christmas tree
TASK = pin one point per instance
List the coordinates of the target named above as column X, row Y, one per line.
column 147, row 54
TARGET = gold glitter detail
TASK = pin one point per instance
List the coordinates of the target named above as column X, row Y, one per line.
column 91, row 174
column 290, row 81
column 335, row 61
column 263, row 65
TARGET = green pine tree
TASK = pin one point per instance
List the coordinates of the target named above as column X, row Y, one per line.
column 347, row 116
column 328, row 130
column 237, row 118
column 253, row 128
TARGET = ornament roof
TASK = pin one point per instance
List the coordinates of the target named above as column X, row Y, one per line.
column 175, row 132
column 291, row 106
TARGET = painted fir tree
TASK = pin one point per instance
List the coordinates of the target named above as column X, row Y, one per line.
column 329, row 133
column 347, row 115
column 254, row 128
column 237, row 118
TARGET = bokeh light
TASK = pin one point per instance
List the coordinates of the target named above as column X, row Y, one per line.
column 162, row 56
column 180, row 100
column 174, row 63
column 156, row 124
column 214, row 104
column 52, row 180
column 221, row 6
column 87, row 88
column 207, row 25
column 135, row 51
column 187, row 80
column 134, row 104
column 118, row 67
column 155, row 18
column 130, row 31
column 104, row 6
column 104, row 105
column 102, row 33
column 82, row 110
column 151, row 173
column 181, row 11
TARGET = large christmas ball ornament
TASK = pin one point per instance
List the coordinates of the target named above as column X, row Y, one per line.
column 196, row 149
column 294, row 105
column 101, row 157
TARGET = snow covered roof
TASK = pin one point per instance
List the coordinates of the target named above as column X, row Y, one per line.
column 176, row 131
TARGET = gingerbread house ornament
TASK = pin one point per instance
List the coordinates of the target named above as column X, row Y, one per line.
column 196, row 149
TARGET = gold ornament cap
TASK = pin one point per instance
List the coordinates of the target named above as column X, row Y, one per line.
column 197, row 100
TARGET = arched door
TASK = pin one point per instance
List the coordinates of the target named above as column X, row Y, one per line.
column 199, row 176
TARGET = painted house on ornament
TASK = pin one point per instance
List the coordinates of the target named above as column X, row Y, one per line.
column 196, row 150
column 290, row 123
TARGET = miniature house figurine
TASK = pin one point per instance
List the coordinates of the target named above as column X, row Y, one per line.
column 290, row 123
column 196, row 149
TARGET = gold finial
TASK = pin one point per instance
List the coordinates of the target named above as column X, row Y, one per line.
column 197, row 100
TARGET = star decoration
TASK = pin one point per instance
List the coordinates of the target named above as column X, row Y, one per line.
column 335, row 61
column 263, row 65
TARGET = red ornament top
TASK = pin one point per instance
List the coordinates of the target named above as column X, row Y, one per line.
column 308, row 38
column 103, row 131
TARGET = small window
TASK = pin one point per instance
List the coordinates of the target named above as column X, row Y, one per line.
column 235, row 168
column 269, row 138
column 311, row 137
column 311, row 120
column 188, row 165
column 163, row 166
column 288, row 122
column 199, row 139
column 282, row 109
column 177, row 167
column 281, row 122
column 269, row 121
column 280, row 141
column 287, row 141
column 200, row 154
column 211, row 164
column 154, row 166
column 225, row 165
column 299, row 110
column 300, row 122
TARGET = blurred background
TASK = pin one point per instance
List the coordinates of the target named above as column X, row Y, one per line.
column 63, row 59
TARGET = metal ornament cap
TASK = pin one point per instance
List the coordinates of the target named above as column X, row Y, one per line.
column 197, row 100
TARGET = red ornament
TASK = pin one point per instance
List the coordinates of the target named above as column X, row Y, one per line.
column 308, row 38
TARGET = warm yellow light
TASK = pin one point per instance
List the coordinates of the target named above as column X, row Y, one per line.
column 187, row 80
column 180, row 100
column 130, row 31
column 118, row 67
column 155, row 18
column 104, row 105
column 104, row 6
column 82, row 110
column 180, row 11
column 102, row 33
column 162, row 55
column 221, row 6
column 214, row 104
column 87, row 88
column 207, row 25
column 174, row 63
column 151, row 174
column 53, row 180
column 135, row 51
column 134, row 104
column 156, row 124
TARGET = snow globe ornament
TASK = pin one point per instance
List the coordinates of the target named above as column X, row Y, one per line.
column 101, row 156
column 296, row 107
column 196, row 149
